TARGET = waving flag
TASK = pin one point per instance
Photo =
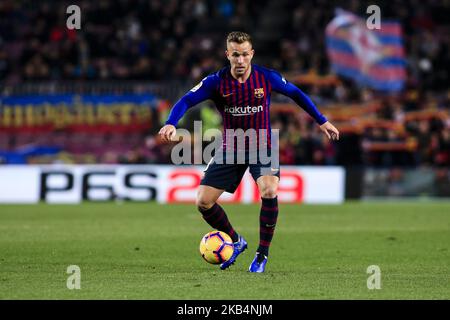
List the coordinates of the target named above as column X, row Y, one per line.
column 374, row 58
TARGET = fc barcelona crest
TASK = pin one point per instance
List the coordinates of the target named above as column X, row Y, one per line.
column 259, row 93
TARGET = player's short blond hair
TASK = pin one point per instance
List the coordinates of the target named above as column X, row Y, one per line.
column 238, row 37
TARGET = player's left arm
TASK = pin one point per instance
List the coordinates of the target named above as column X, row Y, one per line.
column 281, row 85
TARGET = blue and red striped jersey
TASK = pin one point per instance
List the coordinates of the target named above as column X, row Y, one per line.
column 243, row 105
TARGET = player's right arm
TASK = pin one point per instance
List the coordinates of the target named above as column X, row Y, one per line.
column 282, row 86
column 201, row 92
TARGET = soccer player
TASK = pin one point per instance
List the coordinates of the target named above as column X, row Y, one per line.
column 241, row 93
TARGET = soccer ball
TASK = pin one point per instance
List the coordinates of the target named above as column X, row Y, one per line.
column 216, row 247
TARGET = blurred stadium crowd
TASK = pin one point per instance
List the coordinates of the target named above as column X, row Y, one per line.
column 183, row 41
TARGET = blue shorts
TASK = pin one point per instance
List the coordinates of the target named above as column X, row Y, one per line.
column 228, row 176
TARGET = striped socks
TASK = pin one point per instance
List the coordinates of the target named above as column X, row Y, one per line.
column 267, row 221
column 217, row 218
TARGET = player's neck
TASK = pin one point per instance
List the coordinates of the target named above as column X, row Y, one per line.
column 243, row 77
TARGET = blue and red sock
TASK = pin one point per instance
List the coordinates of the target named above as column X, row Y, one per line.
column 267, row 221
column 217, row 218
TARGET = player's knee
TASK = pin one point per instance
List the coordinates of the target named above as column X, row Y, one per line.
column 203, row 204
column 268, row 191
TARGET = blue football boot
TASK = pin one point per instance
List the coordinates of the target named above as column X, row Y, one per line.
column 258, row 264
column 239, row 247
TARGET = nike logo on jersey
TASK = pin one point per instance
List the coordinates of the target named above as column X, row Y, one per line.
column 227, row 95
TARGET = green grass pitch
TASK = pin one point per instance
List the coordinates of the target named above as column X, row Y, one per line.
column 150, row 251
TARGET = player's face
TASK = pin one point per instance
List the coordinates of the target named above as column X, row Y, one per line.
column 240, row 56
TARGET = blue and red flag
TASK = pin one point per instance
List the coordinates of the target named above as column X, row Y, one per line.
column 373, row 58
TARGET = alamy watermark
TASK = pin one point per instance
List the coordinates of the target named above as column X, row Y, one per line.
column 374, row 280
column 234, row 146
column 374, row 21
column 74, row 280
column 74, row 20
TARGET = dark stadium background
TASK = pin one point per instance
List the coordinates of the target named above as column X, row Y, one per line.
column 165, row 47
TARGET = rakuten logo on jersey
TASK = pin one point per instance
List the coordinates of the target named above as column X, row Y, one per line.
column 243, row 111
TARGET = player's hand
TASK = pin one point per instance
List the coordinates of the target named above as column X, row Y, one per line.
column 167, row 132
column 330, row 130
